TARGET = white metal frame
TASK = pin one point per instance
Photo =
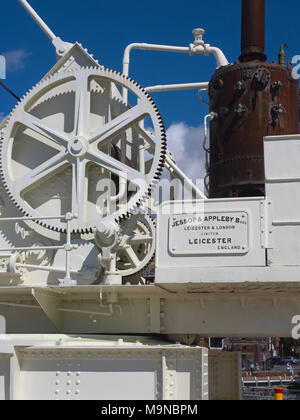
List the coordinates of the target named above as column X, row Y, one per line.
column 68, row 247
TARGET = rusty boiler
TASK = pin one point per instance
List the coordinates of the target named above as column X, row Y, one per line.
column 252, row 99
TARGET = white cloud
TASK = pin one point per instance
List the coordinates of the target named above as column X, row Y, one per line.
column 185, row 142
column 15, row 60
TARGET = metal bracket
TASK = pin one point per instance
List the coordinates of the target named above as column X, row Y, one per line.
column 49, row 302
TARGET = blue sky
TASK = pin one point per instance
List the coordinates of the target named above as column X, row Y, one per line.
column 105, row 28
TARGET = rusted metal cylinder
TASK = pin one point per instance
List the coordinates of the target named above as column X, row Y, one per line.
column 252, row 99
column 253, row 30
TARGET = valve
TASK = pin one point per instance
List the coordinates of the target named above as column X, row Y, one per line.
column 241, row 110
column 198, row 34
column 276, row 85
column 275, row 88
column 276, row 111
column 199, row 46
column 239, row 88
column 212, row 116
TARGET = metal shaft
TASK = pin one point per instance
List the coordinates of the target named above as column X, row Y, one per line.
column 45, row 28
column 9, row 91
column 253, row 30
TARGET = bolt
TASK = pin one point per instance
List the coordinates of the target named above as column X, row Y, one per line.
column 241, row 110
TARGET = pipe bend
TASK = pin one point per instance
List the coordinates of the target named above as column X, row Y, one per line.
column 219, row 55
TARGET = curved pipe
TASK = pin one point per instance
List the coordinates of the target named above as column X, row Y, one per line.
column 219, row 56
column 192, row 49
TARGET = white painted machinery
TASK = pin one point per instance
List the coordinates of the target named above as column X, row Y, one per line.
column 80, row 155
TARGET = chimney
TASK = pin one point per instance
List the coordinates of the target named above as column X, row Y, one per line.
column 253, row 30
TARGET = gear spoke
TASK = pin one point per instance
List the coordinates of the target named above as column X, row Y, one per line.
column 32, row 122
column 119, row 125
column 132, row 256
column 140, row 239
column 147, row 138
column 82, row 114
column 116, row 167
column 79, row 190
column 45, row 170
column 82, row 106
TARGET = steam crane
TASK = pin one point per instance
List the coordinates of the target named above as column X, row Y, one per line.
column 78, row 319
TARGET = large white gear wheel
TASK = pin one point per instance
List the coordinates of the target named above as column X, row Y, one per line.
column 58, row 144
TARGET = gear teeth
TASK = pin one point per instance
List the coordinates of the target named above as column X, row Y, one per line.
column 134, row 278
column 113, row 76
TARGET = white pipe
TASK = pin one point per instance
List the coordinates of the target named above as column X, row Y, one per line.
column 21, row 249
column 205, row 133
column 45, row 28
column 207, row 118
column 192, row 49
column 183, row 86
column 206, row 49
column 200, row 96
column 149, row 47
column 44, row 268
column 219, row 55
column 182, row 175
column 146, row 47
